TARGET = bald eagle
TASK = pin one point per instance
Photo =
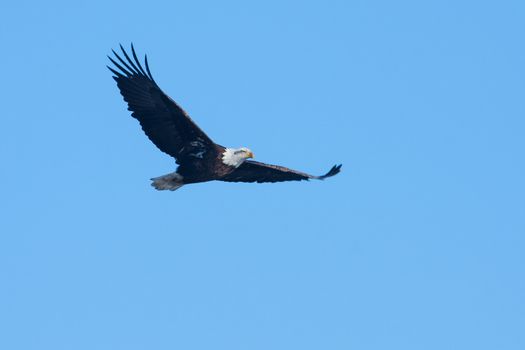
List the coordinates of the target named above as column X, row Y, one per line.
column 171, row 129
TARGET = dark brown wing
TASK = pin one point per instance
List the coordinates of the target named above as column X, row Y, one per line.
column 166, row 124
column 251, row 171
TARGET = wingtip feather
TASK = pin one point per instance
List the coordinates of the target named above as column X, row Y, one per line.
column 137, row 60
column 147, row 67
column 336, row 169
column 114, row 72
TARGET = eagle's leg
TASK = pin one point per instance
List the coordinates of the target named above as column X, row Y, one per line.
column 170, row 182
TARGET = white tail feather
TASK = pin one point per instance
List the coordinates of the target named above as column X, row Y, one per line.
column 172, row 182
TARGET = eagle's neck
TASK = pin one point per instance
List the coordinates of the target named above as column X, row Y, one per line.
column 233, row 157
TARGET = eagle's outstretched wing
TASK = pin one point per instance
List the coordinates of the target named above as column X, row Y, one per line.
column 251, row 171
column 166, row 124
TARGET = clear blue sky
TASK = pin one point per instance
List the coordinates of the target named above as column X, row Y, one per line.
column 418, row 244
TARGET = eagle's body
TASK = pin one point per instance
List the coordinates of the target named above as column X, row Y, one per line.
column 171, row 129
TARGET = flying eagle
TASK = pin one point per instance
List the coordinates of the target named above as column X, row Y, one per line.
column 171, row 129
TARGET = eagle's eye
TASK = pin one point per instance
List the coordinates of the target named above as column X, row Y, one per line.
column 239, row 151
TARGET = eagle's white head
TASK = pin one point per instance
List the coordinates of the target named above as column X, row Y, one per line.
column 236, row 156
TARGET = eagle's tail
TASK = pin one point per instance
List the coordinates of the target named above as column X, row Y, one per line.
column 171, row 181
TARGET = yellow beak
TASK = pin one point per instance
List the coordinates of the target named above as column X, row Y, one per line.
column 251, row 155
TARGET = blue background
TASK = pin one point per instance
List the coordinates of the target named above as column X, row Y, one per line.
column 418, row 243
